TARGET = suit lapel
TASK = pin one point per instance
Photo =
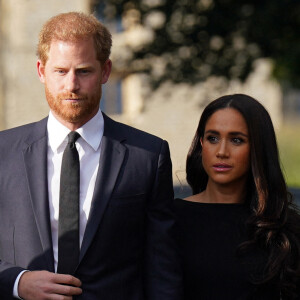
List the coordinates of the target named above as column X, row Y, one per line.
column 111, row 159
column 35, row 159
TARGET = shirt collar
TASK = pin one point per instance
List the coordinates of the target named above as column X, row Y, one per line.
column 91, row 132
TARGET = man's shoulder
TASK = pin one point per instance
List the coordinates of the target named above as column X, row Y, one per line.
column 22, row 132
column 130, row 133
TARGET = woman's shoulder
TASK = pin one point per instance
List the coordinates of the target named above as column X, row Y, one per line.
column 184, row 206
column 179, row 203
column 293, row 220
column 189, row 202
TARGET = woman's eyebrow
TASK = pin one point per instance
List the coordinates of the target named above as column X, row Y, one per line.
column 210, row 131
column 238, row 133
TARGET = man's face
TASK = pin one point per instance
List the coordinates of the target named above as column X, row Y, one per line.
column 73, row 79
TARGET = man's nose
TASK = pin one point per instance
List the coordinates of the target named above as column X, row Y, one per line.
column 72, row 82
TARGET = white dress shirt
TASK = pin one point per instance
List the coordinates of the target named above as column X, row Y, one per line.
column 88, row 146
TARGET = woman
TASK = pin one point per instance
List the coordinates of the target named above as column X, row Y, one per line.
column 239, row 233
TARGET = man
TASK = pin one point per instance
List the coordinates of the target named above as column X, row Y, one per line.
column 124, row 193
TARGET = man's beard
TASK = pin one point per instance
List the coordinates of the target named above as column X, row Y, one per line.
column 73, row 112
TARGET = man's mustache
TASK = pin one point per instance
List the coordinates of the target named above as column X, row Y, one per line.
column 71, row 96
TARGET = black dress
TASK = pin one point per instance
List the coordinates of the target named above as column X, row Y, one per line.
column 213, row 269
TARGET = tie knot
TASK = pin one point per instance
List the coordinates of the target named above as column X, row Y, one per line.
column 73, row 136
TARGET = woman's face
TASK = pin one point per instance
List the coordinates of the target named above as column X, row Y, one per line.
column 226, row 148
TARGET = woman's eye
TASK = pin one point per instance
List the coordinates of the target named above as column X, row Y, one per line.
column 212, row 139
column 237, row 141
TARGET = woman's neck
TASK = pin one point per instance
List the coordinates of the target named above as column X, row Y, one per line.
column 216, row 193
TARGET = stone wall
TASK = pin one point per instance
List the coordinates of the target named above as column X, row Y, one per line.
column 21, row 95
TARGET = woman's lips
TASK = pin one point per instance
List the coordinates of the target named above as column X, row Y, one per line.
column 221, row 167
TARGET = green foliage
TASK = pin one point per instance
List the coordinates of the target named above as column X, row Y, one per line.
column 199, row 38
column 289, row 147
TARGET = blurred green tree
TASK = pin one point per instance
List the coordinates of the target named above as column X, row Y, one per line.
column 194, row 39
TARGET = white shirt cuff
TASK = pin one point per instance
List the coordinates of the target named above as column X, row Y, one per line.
column 16, row 285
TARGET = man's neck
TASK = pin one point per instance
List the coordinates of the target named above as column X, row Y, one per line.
column 77, row 124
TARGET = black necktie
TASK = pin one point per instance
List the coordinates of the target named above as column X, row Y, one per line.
column 68, row 222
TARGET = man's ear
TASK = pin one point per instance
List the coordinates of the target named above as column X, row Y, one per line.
column 106, row 69
column 41, row 70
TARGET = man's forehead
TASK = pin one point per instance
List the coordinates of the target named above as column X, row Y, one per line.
column 71, row 41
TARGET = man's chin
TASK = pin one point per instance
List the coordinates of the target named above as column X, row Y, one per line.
column 72, row 115
column 75, row 114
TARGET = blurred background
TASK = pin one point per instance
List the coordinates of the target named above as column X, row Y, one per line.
column 170, row 58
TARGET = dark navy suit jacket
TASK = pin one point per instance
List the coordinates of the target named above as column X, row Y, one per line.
column 127, row 251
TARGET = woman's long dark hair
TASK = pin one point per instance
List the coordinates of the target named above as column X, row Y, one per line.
column 274, row 223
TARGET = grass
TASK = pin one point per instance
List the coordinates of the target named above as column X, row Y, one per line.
column 288, row 137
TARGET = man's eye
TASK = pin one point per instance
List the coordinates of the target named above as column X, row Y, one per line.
column 83, row 71
column 60, row 71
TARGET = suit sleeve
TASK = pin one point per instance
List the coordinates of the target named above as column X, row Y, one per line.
column 8, row 275
column 163, row 274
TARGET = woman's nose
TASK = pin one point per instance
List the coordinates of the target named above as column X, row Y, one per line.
column 222, row 151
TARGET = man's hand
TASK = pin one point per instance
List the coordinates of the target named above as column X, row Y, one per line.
column 42, row 285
